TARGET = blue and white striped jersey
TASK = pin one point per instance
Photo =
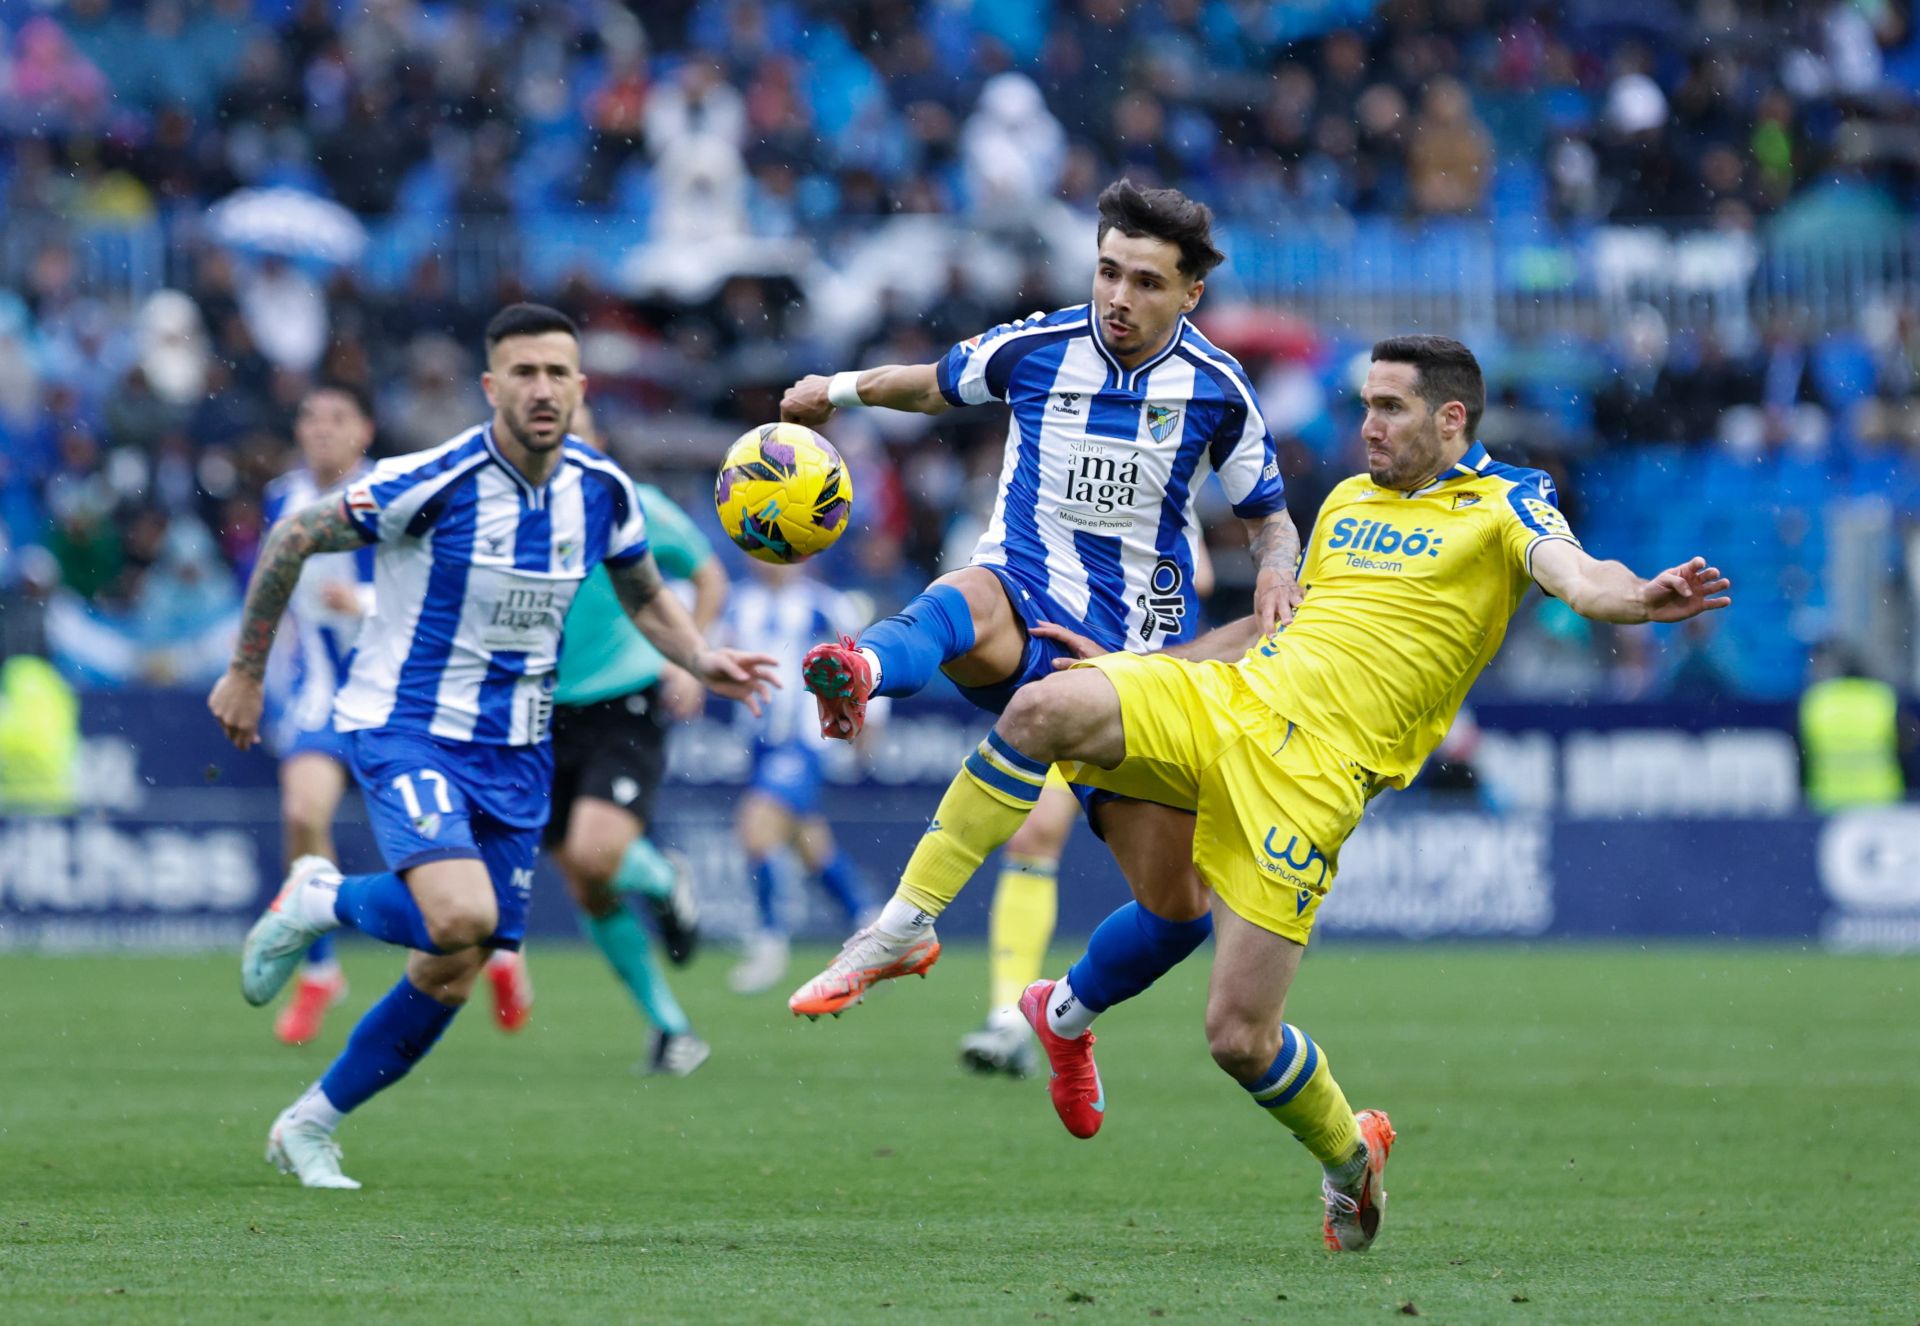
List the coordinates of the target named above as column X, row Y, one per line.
column 320, row 645
column 474, row 570
column 1096, row 490
column 786, row 620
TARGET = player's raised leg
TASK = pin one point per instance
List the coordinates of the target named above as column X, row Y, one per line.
column 1073, row 715
column 663, row 881
column 962, row 624
column 311, row 786
column 1289, row 1076
column 1130, row 950
column 597, row 837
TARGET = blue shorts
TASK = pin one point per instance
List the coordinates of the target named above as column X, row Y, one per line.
column 336, row 746
column 1031, row 605
column 434, row 800
column 790, row 773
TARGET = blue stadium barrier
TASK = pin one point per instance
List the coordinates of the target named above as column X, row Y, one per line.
column 1597, row 822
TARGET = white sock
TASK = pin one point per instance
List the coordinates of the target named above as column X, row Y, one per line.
column 320, row 971
column 1066, row 1015
column 314, row 1108
column 1006, row 1019
column 1346, row 1175
column 312, row 903
column 873, row 661
column 901, row 921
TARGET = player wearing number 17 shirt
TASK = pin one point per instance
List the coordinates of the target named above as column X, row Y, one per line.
column 480, row 546
column 1120, row 407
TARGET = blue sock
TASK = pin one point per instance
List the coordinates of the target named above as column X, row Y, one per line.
column 395, row 1034
column 1129, row 951
column 766, row 892
column 381, row 907
column 320, row 951
column 913, row 643
column 842, row 882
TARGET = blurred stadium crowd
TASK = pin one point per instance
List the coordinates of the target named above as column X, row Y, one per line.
column 733, row 144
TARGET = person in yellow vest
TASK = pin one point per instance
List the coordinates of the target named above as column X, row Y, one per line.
column 1850, row 739
column 39, row 736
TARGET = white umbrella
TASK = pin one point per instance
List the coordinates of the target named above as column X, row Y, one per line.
column 290, row 223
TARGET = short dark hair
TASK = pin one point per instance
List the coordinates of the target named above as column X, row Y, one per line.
column 362, row 399
column 1448, row 372
column 528, row 320
column 1164, row 214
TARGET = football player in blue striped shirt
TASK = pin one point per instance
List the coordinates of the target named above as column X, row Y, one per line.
column 1120, row 407
column 480, row 546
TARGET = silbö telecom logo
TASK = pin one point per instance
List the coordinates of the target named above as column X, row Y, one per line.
column 1360, row 539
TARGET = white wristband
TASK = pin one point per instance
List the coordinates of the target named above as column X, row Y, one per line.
column 844, row 391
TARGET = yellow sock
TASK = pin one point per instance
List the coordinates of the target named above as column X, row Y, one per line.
column 987, row 802
column 1300, row 1093
column 1025, row 904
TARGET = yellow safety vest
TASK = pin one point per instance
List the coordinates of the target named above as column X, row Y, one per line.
column 39, row 736
column 1850, row 730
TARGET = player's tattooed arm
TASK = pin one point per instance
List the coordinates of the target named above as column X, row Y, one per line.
column 1276, row 560
column 322, row 527
column 670, row 628
column 236, row 699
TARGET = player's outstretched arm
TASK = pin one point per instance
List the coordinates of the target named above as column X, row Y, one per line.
column 1611, row 592
column 1276, row 560
column 913, row 387
column 679, row 691
column 664, row 620
column 236, row 697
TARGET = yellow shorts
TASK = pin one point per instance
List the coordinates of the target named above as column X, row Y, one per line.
column 1272, row 804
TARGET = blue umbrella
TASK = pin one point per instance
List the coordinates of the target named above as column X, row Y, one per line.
column 289, row 223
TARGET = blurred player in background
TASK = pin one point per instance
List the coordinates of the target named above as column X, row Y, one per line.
column 783, row 609
column 1026, row 903
column 332, row 428
column 1119, row 408
column 615, row 697
column 482, row 544
column 1274, row 742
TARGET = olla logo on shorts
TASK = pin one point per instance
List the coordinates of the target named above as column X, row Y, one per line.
column 1298, row 863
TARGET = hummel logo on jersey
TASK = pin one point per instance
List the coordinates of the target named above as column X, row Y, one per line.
column 933, row 826
column 1067, row 402
column 493, row 545
column 427, row 825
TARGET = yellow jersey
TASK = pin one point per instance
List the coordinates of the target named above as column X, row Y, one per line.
column 1408, row 595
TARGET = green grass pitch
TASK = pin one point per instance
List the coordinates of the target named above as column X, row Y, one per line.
column 1586, row 1135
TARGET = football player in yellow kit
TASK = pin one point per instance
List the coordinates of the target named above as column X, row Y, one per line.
column 1411, row 576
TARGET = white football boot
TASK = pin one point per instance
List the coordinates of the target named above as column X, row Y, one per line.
column 280, row 937
column 296, row 1146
